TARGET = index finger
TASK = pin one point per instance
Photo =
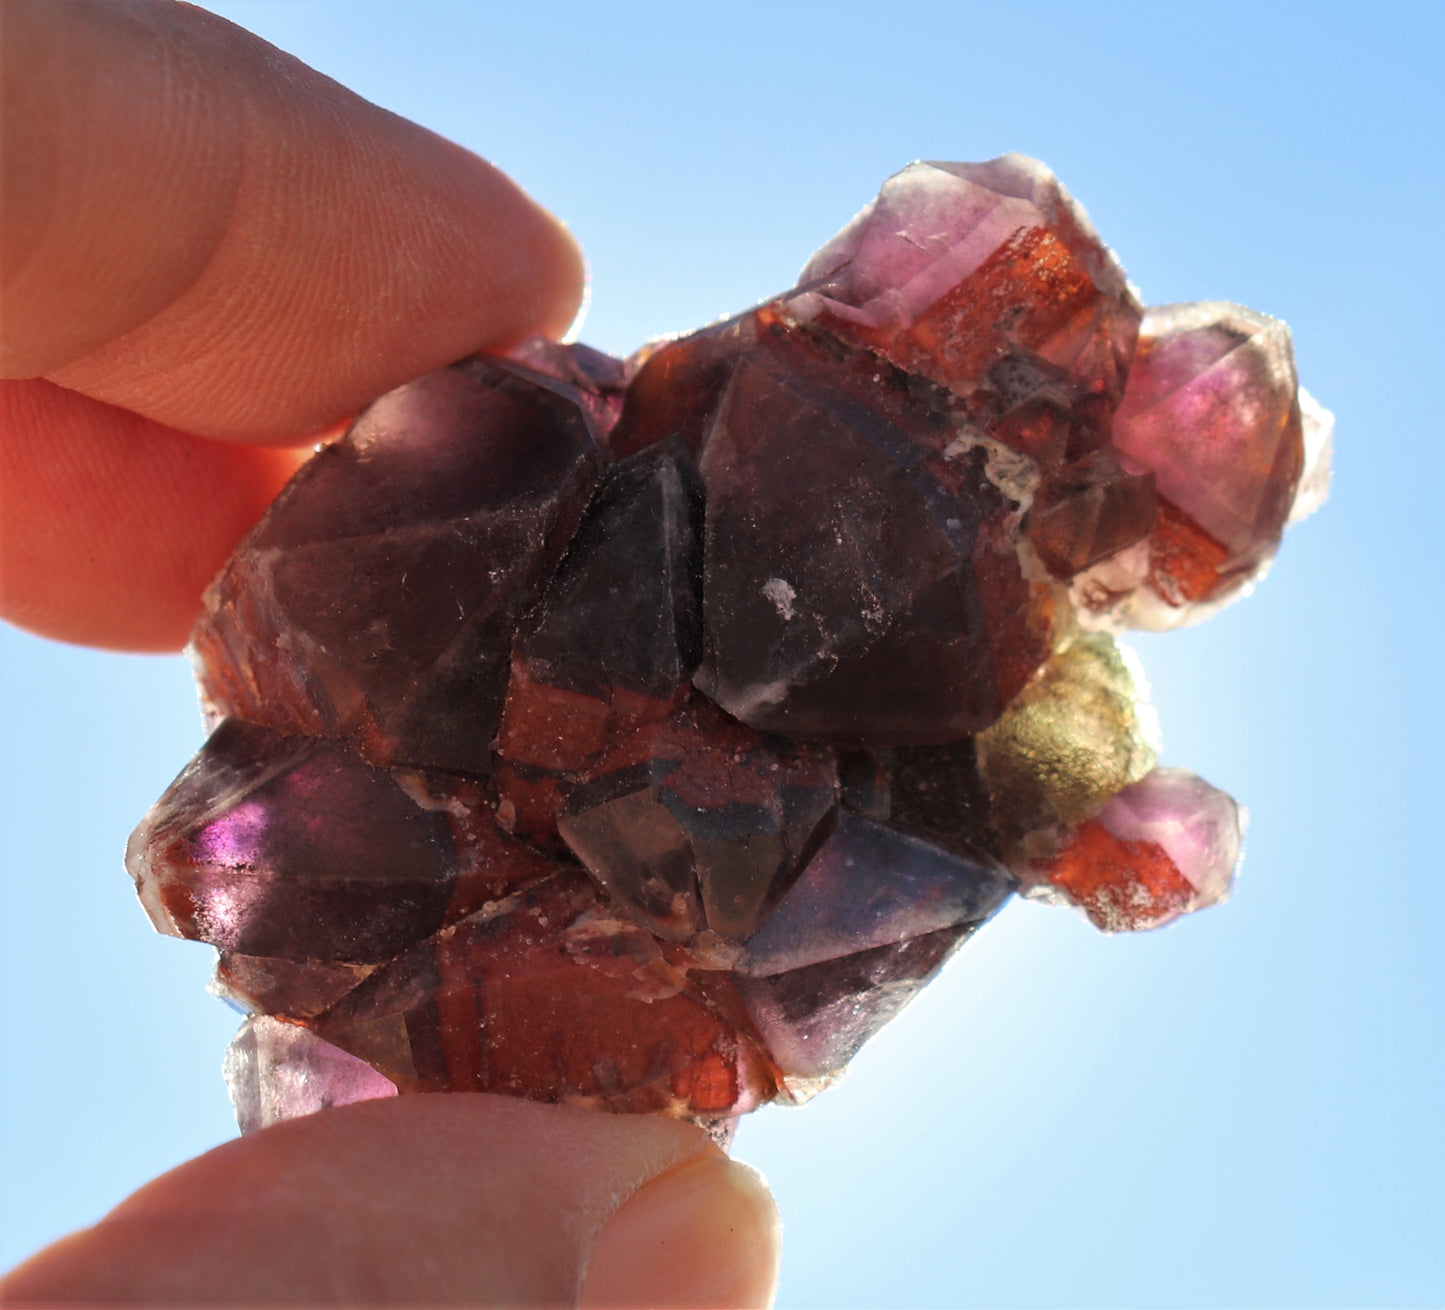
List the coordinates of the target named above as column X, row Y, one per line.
column 201, row 229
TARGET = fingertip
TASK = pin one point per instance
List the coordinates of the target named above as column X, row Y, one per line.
column 562, row 281
column 704, row 1234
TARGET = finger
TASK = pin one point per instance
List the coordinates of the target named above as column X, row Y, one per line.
column 433, row 1200
column 111, row 525
column 199, row 228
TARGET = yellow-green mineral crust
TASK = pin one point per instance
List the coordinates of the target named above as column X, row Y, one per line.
column 1078, row 733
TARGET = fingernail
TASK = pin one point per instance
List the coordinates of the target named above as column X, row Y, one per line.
column 704, row 1234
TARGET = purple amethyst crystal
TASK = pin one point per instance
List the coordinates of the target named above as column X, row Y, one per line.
column 646, row 734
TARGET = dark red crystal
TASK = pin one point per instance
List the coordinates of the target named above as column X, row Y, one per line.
column 358, row 609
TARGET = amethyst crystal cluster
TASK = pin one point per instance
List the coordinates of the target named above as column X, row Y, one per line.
column 645, row 734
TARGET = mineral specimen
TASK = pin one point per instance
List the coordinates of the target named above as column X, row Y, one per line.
column 645, row 734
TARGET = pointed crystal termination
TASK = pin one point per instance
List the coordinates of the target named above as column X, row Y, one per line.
column 710, row 826
column 1089, row 511
column 872, row 886
column 869, row 923
column 615, row 641
column 357, row 608
column 645, row 734
column 276, row 1071
column 299, row 989
column 244, row 852
column 599, row 380
column 817, row 1017
column 1164, row 846
column 988, row 279
column 905, row 578
column 1213, row 411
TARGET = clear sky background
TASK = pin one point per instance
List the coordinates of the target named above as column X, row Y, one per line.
column 1241, row 1110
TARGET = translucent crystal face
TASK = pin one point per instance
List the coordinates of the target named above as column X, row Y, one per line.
column 645, row 734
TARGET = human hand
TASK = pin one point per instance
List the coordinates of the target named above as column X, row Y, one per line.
column 212, row 255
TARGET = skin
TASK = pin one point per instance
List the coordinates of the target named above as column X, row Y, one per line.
column 200, row 279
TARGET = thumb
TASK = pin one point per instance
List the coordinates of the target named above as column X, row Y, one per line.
column 436, row 1200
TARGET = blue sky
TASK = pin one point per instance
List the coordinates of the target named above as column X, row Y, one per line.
column 1242, row 1110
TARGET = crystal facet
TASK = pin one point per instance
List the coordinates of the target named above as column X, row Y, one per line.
column 1159, row 848
column 1212, row 410
column 645, row 734
column 278, row 1071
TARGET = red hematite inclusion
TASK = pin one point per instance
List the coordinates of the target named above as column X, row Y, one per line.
column 1120, row 884
column 646, row 733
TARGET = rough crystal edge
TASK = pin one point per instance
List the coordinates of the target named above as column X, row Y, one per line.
column 721, row 1128
column 1211, row 867
column 1318, row 425
column 1043, row 189
column 276, row 1071
column 1132, row 603
column 1142, row 609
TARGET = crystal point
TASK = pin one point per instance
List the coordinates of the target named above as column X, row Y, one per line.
column 1212, row 410
column 989, row 279
column 365, row 571
column 903, row 579
column 814, row 1019
column 871, row 886
column 243, row 852
column 709, row 830
column 1164, row 846
column 276, row 1071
